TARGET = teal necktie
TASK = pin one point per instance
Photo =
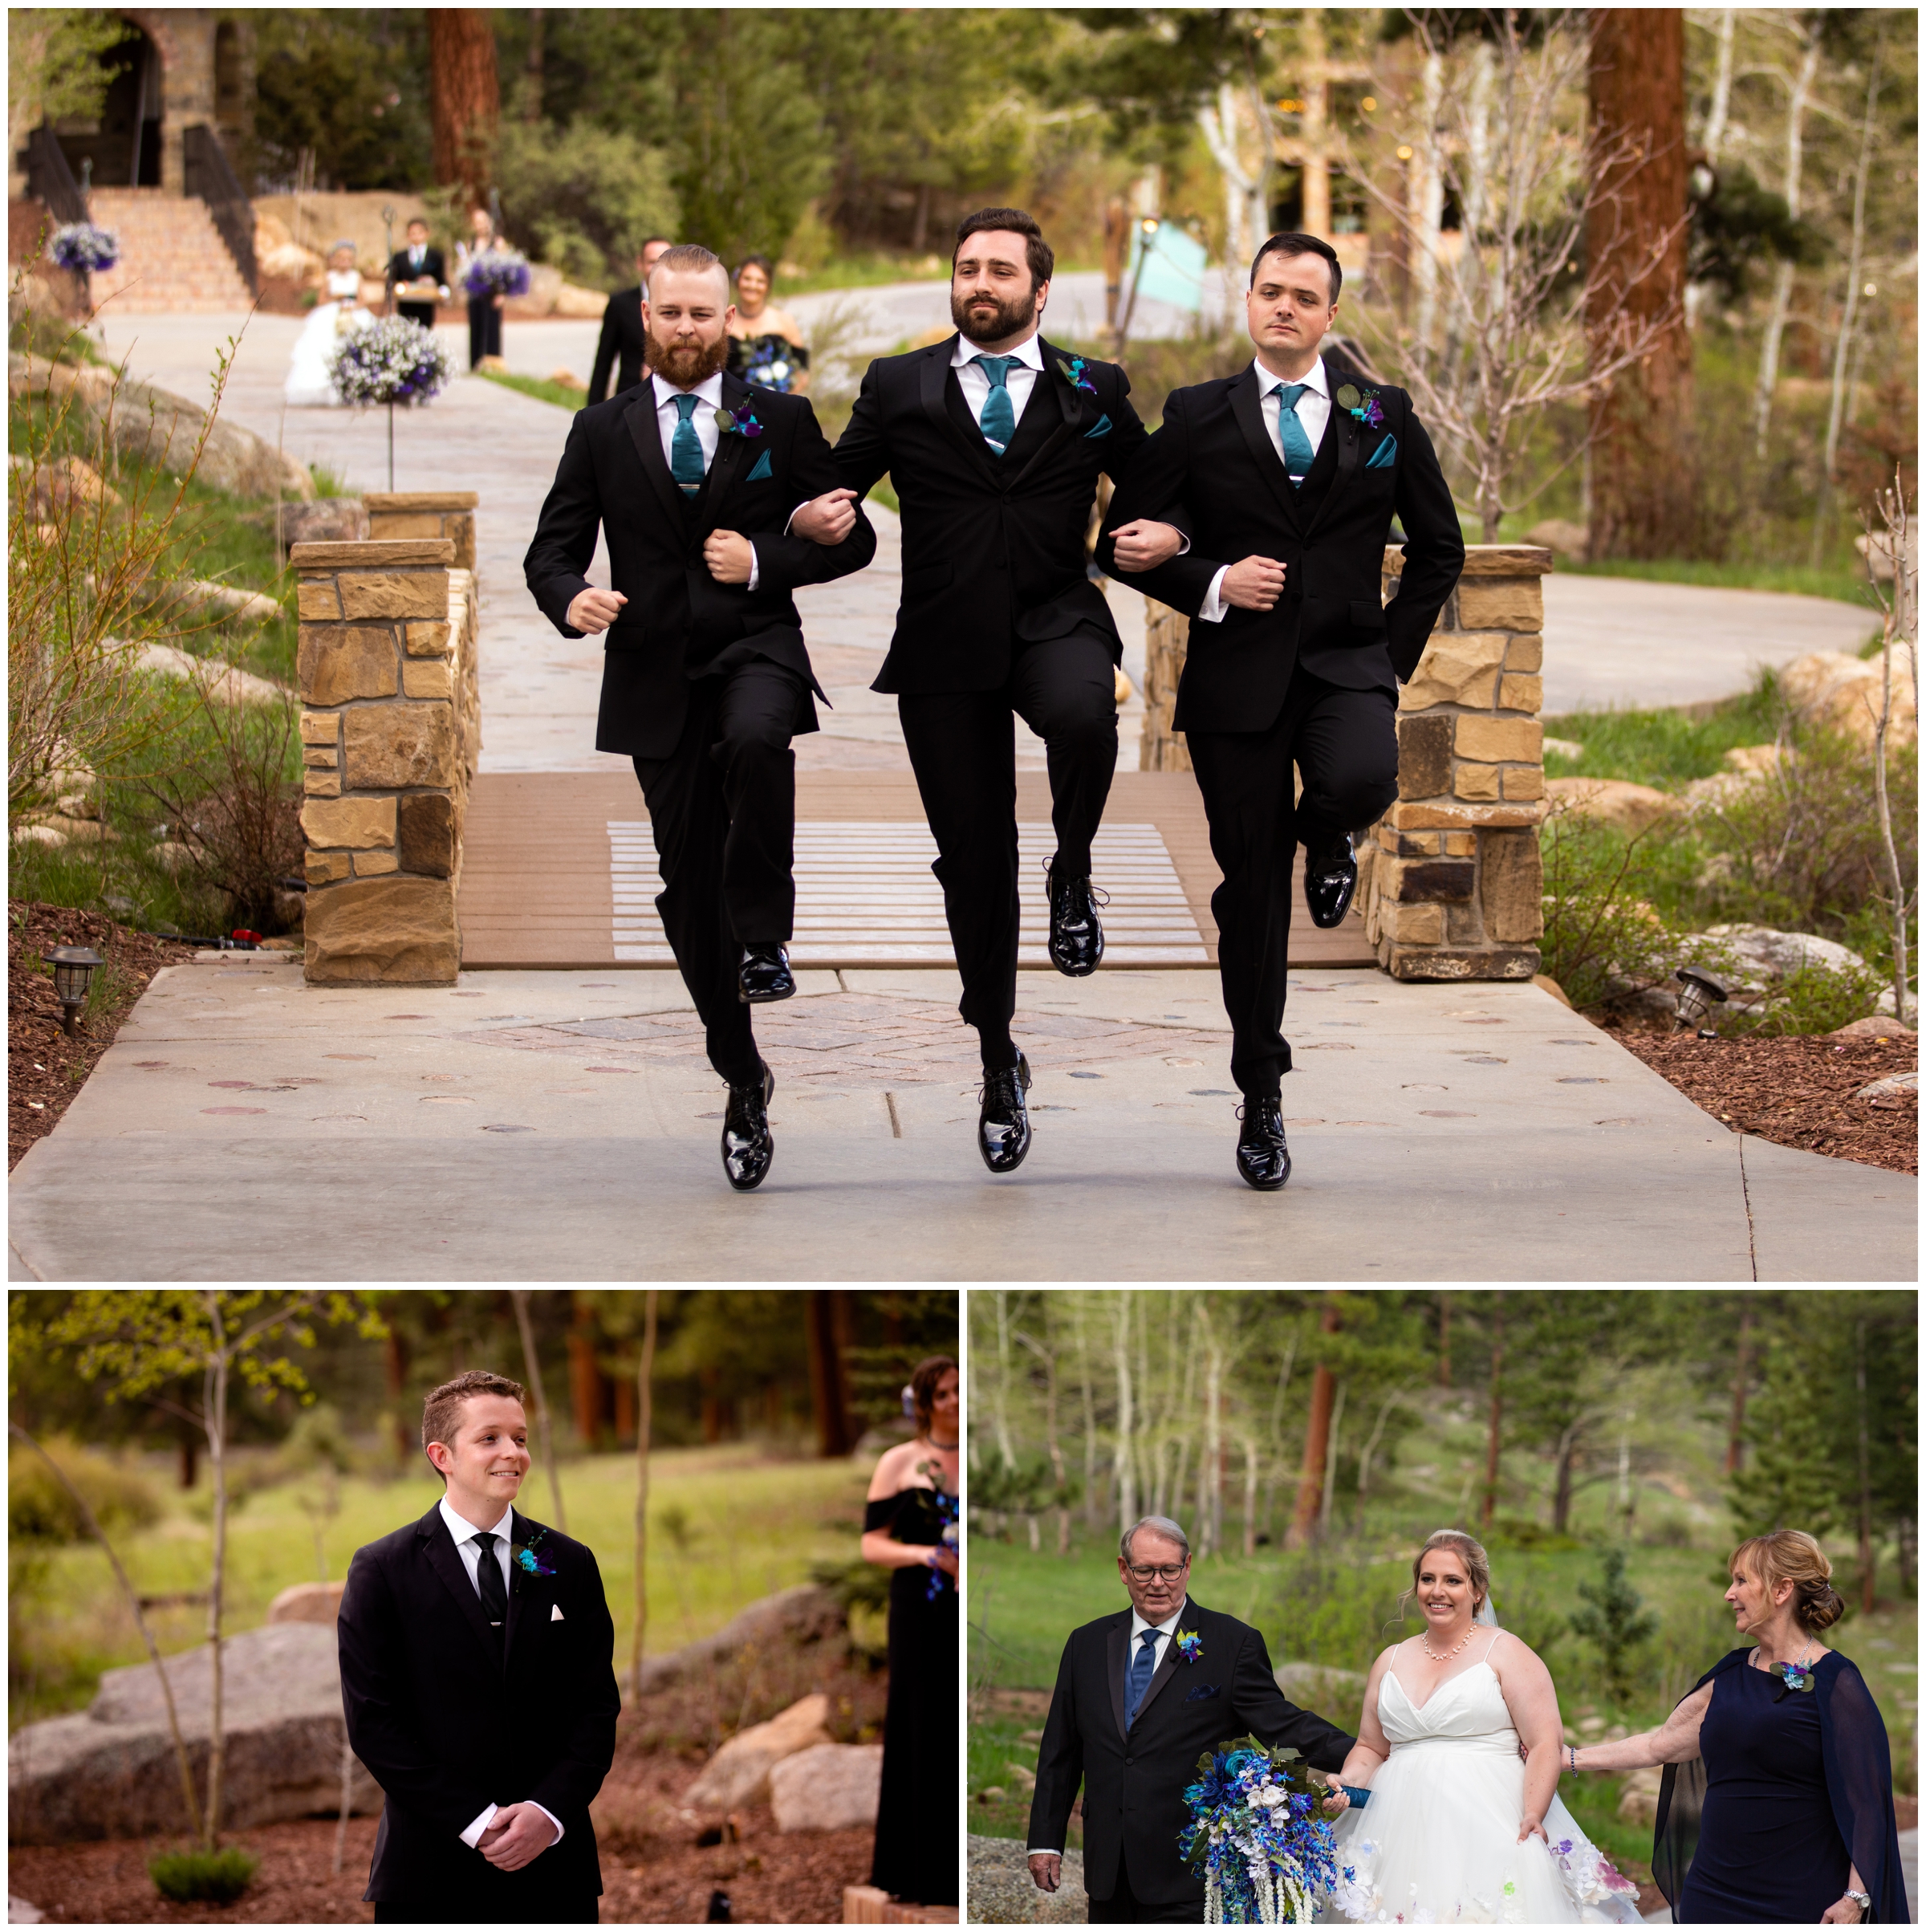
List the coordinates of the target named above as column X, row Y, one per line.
column 685, row 450
column 1298, row 455
column 999, row 418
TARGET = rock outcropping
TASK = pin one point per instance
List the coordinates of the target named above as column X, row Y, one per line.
column 739, row 1773
column 829, row 1787
column 1001, row 1891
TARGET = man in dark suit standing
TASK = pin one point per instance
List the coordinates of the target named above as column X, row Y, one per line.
column 417, row 262
column 992, row 439
column 693, row 477
column 477, row 1680
column 622, row 341
column 1131, row 1713
column 1287, row 476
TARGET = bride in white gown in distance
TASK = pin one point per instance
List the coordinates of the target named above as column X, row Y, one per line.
column 1457, row 1829
column 310, row 379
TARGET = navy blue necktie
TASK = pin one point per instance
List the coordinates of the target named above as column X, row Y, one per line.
column 1142, row 1668
column 998, row 422
column 685, row 447
column 1298, row 455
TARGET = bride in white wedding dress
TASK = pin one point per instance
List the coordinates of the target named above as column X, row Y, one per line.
column 1456, row 1828
column 310, row 381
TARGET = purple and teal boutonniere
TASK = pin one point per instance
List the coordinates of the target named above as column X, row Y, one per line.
column 1796, row 1677
column 1073, row 374
column 529, row 1557
column 738, row 422
column 1361, row 403
column 1190, row 1646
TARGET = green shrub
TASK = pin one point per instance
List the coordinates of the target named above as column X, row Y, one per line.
column 582, row 198
column 1616, row 1620
column 39, row 1509
column 204, row 1878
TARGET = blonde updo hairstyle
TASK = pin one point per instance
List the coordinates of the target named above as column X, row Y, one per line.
column 1792, row 1556
column 1477, row 1567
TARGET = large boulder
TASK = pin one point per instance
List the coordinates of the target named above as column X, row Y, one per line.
column 1845, row 693
column 110, row 1772
column 803, row 1613
column 738, row 1773
column 307, row 1603
column 1002, row 1892
column 829, row 1787
column 1613, row 801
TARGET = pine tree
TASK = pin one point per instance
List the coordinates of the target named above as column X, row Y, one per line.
column 1616, row 1621
column 1789, row 1482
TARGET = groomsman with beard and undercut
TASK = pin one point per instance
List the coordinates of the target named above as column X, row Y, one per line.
column 993, row 440
column 693, row 477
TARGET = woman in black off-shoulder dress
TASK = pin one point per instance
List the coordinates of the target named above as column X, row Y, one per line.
column 909, row 1526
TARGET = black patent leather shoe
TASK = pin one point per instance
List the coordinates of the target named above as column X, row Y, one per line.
column 1263, row 1159
column 747, row 1144
column 1076, row 936
column 764, row 973
column 1003, row 1125
column 1330, row 877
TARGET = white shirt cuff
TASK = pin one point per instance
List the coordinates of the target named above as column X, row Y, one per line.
column 1037, row 1850
column 472, row 1836
column 755, row 566
column 1212, row 610
column 1183, row 548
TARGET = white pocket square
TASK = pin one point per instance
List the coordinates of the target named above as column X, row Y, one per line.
column 555, row 1614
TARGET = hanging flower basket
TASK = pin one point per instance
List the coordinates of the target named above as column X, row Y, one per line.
column 501, row 271
column 392, row 360
column 82, row 246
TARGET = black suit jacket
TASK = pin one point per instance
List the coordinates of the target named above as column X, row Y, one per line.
column 1213, row 469
column 448, row 1722
column 679, row 622
column 1133, row 1782
column 621, row 339
column 993, row 547
column 432, row 265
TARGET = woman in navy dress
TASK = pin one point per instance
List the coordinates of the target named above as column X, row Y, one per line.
column 909, row 1527
column 1776, row 1805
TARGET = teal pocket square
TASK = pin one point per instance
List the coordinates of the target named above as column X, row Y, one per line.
column 1102, row 428
column 762, row 473
column 1385, row 455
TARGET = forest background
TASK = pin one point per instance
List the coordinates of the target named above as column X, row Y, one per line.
column 1608, row 1447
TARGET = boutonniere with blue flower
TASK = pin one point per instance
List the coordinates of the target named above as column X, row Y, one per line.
column 530, row 1558
column 1795, row 1677
column 1361, row 403
column 1073, row 374
column 738, row 422
column 1190, row 1646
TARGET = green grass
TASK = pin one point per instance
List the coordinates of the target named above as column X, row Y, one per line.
column 215, row 1877
column 1662, row 748
column 540, row 387
column 1838, row 581
column 728, row 1525
column 869, row 270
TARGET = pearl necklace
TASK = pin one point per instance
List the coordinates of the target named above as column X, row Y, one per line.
column 1424, row 1644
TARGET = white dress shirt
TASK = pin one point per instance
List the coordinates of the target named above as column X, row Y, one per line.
column 973, row 380
column 709, row 394
column 1165, row 1632
column 1313, row 413
column 464, row 1534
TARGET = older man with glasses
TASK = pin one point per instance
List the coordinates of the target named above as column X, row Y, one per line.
column 1141, row 1695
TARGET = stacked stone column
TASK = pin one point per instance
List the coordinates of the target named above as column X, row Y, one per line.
column 386, row 639
column 393, row 514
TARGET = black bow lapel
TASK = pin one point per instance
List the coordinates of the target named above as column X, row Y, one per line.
column 728, row 458
column 1117, row 1661
column 448, row 1565
column 645, row 432
column 932, row 381
column 1246, row 408
column 1052, row 399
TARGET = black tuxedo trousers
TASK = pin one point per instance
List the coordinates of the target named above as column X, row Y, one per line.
column 1344, row 745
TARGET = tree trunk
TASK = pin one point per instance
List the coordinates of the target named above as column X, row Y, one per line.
column 1444, row 1338
column 585, row 1376
column 531, row 107
column 1735, row 1437
column 828, row 1317
column 1781, row 281
column 544, row 1434
column 217, row 1453
column 464, row 97
column 1497, row 1416
column 999, row 1407
column 1317, row 1441
column 1315, row 219
column 1210, row 1488
column 1642, row 475
column 1331, row 1461
column 645, row 1381
column 1126, row 1458
column 1865, row 1538
column 394, row 1362
column 190, row 1457
column 1090, row 1418
column 1561, row 1495
column 1250, row 1496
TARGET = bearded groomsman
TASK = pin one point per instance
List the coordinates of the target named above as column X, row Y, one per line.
column 622, row 347
column 1286, row 477
column 993, row 440
column 693, row 477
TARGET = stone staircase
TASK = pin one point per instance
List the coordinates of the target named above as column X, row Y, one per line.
column 173, row 260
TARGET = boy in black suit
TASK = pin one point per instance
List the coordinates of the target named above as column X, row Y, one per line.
column 417, row 262
column 692, row 477
column 478, row 1687
column 1287, row 476
column 622, row 341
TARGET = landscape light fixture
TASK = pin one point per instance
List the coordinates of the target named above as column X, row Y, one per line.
column 73, row 969
column 1698, row 993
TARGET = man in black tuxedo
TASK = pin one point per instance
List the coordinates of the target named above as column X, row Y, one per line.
column 621, row 339
column 477, row 1680
column 1287, row 476
column 992, row 439
column 693, row 477
column 1130, row 1717
column 416, row 262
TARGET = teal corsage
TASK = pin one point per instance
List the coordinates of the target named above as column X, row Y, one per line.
column 1795, row 1677
column 1363, row 404
column 1190, row 1646
column 738, row 422
column 529, row 1558
column 1072, row 373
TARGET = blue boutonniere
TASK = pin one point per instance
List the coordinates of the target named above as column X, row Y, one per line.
column 1796, row 1677
column 529, row 1557
column 1072, row 373
column 1361, row 403
column 1190, row 1646
column 738, row 422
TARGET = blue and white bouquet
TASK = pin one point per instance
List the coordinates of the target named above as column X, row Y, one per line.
column 80, row 245
column 496, row 271
column 393, row 360
column 1258, row 1836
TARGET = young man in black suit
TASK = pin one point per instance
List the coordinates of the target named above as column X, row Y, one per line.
column 992, row 439
column 692, row 477
column 1286, row 477
column 1131, row 1713
column 416, row 262
column 476, row 1679
column 622, row 340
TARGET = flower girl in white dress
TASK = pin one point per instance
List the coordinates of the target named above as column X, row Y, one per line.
column 1456, row 1828
column 310, row 382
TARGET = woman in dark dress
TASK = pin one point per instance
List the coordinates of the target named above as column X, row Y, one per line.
column 1776, row 1805
column 766, row 346
column 910, row 1527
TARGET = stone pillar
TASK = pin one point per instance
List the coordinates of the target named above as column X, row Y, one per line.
column 425, row 514
column 1450, row 880
column 1166, row 639
column 386, row 658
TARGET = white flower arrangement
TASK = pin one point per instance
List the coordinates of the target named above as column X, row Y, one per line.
column 391, row 360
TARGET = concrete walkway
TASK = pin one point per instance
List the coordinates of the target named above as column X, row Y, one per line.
column 562, row 1126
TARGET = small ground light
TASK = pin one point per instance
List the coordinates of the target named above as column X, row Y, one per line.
column 1698, row 994
column 73, row 970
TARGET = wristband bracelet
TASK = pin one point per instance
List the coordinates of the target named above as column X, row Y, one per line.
column 1572, row 1752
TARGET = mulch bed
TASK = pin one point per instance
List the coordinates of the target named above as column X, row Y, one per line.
column 1796, row 1090
column 44, row 1069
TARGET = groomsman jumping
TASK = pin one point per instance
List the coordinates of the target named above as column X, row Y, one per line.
column 693, row 477
column 993, row 440
column 1286, row 477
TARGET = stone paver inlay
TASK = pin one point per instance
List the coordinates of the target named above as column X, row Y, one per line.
column 865, row 895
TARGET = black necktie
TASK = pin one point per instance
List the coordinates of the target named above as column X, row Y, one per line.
column 488, row 1576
